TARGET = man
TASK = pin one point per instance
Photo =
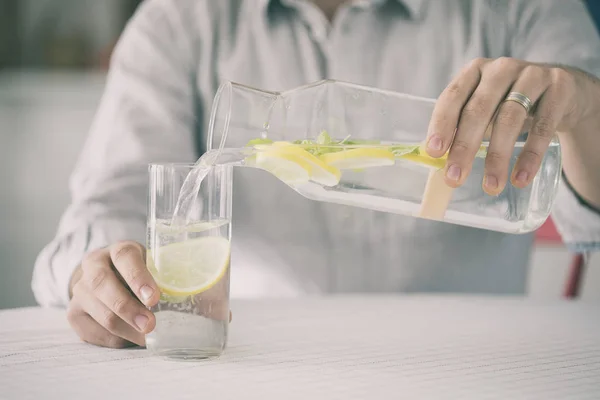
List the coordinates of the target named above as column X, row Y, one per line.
column 468, row 54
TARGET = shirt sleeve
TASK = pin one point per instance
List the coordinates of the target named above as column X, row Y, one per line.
column 146, row 114
column 561, row 32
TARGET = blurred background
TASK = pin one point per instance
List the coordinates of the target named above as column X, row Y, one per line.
column 53, row 60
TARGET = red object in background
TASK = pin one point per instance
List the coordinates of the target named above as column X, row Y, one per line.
column 547, row 233
column 575, row 277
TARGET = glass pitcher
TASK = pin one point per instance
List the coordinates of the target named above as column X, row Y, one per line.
column 360, row 146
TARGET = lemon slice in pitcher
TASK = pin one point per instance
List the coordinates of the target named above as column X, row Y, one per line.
column 320, row 172
column 419, row 155
column 292, row 164
column 289, row 168
column 359, row 158
column 190, row 267
column 423, row 158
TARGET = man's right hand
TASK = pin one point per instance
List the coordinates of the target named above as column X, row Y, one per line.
column 109, row 294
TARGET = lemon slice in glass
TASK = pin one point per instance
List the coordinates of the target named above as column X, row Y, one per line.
column 190, row 267
column 359, row 158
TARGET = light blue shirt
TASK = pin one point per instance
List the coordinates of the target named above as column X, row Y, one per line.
column 167, row 68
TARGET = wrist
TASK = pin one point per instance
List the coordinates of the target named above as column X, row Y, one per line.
column 587, row 109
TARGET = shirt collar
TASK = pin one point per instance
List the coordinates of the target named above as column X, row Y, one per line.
column 416, row 8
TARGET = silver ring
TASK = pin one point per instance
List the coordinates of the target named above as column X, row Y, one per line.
column 521, row 99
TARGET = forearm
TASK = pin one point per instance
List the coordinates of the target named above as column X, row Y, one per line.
column 54, row 267
column 581, row 144
column 57, row 267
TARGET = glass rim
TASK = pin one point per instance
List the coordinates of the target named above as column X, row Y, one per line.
column 156, row 167
column 171, row 164
column 333, row 82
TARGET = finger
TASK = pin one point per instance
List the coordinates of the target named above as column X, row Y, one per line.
column 549, row 112
column 109, row 320
column 129, row 259
column 476, row 116
column 446, row 112
column 508, row 125
column 92, row 332
column 102, row 282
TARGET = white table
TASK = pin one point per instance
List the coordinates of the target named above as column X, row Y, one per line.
column 333, row 348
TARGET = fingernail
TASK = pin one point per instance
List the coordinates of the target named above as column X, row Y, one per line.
column 491, row 182
column 453, row 172
column 522, row 177
column 146, row 292
column 435, row 143
column 141, row 321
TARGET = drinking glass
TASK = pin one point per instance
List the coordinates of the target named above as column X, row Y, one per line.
column 190, row 263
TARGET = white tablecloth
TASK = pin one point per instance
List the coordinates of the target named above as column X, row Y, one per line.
column 333, row 348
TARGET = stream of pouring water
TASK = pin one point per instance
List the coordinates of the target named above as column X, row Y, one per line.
column 189, row 193
column 193, row 181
